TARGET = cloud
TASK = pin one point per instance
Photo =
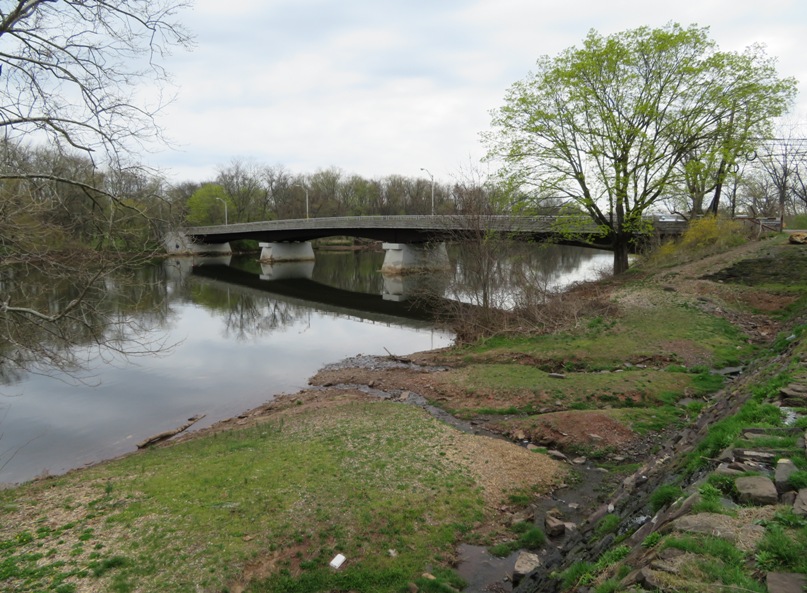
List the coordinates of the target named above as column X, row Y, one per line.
column 378, row 88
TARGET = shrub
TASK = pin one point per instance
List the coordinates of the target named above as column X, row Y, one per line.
column 663, row 496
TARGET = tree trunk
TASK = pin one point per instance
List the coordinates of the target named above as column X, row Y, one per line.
column 621, row 244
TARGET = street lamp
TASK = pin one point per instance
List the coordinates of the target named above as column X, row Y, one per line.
column 432, row 176
column 225, row 209
column 306, row 196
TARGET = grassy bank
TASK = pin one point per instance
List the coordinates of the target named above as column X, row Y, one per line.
column 266, row 507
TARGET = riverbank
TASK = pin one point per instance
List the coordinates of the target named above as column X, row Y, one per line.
column 264, row 501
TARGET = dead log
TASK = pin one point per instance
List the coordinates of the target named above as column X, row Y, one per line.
column 158, row 438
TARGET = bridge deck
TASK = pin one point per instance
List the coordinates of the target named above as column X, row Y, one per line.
column 410, row 229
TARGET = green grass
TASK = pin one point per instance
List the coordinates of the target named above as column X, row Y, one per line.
column 638, row 387
column 639, row 333
column 360, row 480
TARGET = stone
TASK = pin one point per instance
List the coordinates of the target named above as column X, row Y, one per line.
column 718, row 525
column 798, row 239
column 522, row 517
column 757, row 456
column 784, row 469
column 557, row 455
column 800, row 505
column 788, row 498
column 757, row 490
column 554, row 526
column 785, row 582
column 525, row 564
column 724, row 470
column 557, row 376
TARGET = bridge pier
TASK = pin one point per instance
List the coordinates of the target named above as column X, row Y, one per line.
column 286, row 251
column 411, row 258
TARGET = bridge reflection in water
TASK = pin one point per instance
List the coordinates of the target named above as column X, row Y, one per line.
column 291, row 283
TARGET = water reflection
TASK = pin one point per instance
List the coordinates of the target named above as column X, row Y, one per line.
column 242, row 333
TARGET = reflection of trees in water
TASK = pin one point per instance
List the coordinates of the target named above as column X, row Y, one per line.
column 246, row 315
column 495, row 274
column 120, row 314
column 356, row 271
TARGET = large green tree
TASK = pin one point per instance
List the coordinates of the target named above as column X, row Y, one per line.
column 613, row 125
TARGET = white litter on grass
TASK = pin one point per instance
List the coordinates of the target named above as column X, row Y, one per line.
column 337, row 561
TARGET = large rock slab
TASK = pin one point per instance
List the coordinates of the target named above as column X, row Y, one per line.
column 717, row 525
column 758, row 490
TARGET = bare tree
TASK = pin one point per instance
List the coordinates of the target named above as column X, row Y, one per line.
column 81, row 85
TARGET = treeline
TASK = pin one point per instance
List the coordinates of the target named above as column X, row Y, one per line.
column 53, row 201
column 254, row 192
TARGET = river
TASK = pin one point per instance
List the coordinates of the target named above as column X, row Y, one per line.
column 218, row 336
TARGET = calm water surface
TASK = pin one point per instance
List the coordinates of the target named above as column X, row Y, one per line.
column 239, row 334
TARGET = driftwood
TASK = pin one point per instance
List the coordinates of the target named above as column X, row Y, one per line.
column 158, row 438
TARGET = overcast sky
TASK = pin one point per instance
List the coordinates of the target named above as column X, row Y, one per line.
column 380, row 87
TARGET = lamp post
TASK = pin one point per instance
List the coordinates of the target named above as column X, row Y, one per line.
column 432, row 177
column 225, row 209
column 306, row 197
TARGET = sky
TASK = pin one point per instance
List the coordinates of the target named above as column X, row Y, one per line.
column 383, row 87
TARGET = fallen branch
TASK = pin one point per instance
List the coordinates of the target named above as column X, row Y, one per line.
column 157, row 438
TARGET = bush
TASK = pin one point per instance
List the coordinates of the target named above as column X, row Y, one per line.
column 663, row 496
column 713, row 234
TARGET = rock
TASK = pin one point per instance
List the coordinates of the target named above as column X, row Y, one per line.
column 579, row 460
column 724, row 470
column 557, row 455
column 757, row 490
column 554, row 526
column 522, row 517
column 800, row 505
column 784, row 469
column 798, row 239
column 557, row 376
column 785, row 582
column 788, row 498
column 757, row 456
column 717, row 525
column 525, row 564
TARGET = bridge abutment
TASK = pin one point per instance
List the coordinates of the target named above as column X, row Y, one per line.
column 287, row 251
column 178, row 243
column 411, row 258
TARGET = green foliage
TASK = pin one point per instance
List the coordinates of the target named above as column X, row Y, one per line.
column 652, row 540
column 784, row 550
column 712, row 234
column 798, row 479
column 531, row 538
column 663, row 496
column 207, row 206
column 591, row 109
column 608, row 524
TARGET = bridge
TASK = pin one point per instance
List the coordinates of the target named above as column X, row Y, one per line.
column 410, row 241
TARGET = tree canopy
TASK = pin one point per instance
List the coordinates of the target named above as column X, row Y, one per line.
column 618, row 124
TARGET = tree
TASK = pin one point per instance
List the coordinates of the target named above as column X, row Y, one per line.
column 208, row 205
column 610, row 126
column 80, row 87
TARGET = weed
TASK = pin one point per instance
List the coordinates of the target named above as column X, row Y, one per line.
column 663, row 496
column 651, row 540
column 608, row 524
